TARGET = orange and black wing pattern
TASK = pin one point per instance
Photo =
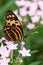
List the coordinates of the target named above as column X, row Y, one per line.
column 13, row 29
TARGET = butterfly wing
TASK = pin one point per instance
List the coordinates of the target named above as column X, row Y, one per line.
column 13, row 29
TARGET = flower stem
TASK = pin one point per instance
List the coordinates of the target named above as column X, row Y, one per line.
column 11, row 56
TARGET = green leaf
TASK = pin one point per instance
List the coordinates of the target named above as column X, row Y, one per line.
column 5, row 7
column 34, row 51
column 35, row 63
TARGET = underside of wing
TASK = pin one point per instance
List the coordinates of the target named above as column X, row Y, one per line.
column 13, row 29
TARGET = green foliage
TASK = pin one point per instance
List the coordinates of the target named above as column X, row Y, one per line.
column 35, row 63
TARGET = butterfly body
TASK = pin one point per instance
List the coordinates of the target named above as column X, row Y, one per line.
column 13, row 29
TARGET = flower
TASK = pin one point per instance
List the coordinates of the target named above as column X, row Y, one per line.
column 31, row 13
column 25, row 52
column 22, row 43
column 40, row 3
column 35, row 18
column 23, row 11
column 27, row 4
column 4, row 61
column 30, row 26
column 39, row 12
column 3, row 38
column 0, row 40
column 20, row 60
column 11, row 45
column 20, row 3
column 9, row 42
column 4, row 52
column 35, row 0
column 33, row 8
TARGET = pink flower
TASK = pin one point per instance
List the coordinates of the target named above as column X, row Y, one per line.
column 0, row 40
column 27, row 4
column 4, row 52
column 4, row 61
column 39, row 12
column 25, row 52
column 23, row 11
column 20, row 3
column 31, row 26
column 32, row 9
column 9, row 42
column 33, row 6
column 40, row 3
column 11, row 45
column 35, row 18
column 31, row 12
column 35, row 0
column 22, row 43
column 20, row 60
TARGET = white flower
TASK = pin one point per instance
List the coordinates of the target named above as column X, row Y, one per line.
column 9, row 42
column 4, row 61
column 35, row 18
column 4, row 52
column 25, row 52
column 40, row 3
column 20, row 3
column 35, row 0
column 39, row 12
column 22, row 43
column 23, row 11
column 20, row 60
column 27, row 4
column 32, row 9
column 0, row 40
column 31, row 12
column 33, row 6
column 3, row 38
column 11, row 45
column 31, row 26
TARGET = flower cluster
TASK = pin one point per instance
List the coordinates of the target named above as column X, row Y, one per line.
column 5, row 50
column 33, row 8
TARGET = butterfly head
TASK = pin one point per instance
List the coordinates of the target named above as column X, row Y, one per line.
column 11, row 19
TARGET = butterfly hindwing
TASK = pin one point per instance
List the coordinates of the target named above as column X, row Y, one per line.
column 13, row 29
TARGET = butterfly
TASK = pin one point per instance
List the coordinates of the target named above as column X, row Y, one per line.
column 13, row 29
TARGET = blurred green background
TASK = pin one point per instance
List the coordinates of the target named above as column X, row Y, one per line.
column 34, row 42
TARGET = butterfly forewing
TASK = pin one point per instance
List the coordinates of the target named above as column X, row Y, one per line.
column 13, row 29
